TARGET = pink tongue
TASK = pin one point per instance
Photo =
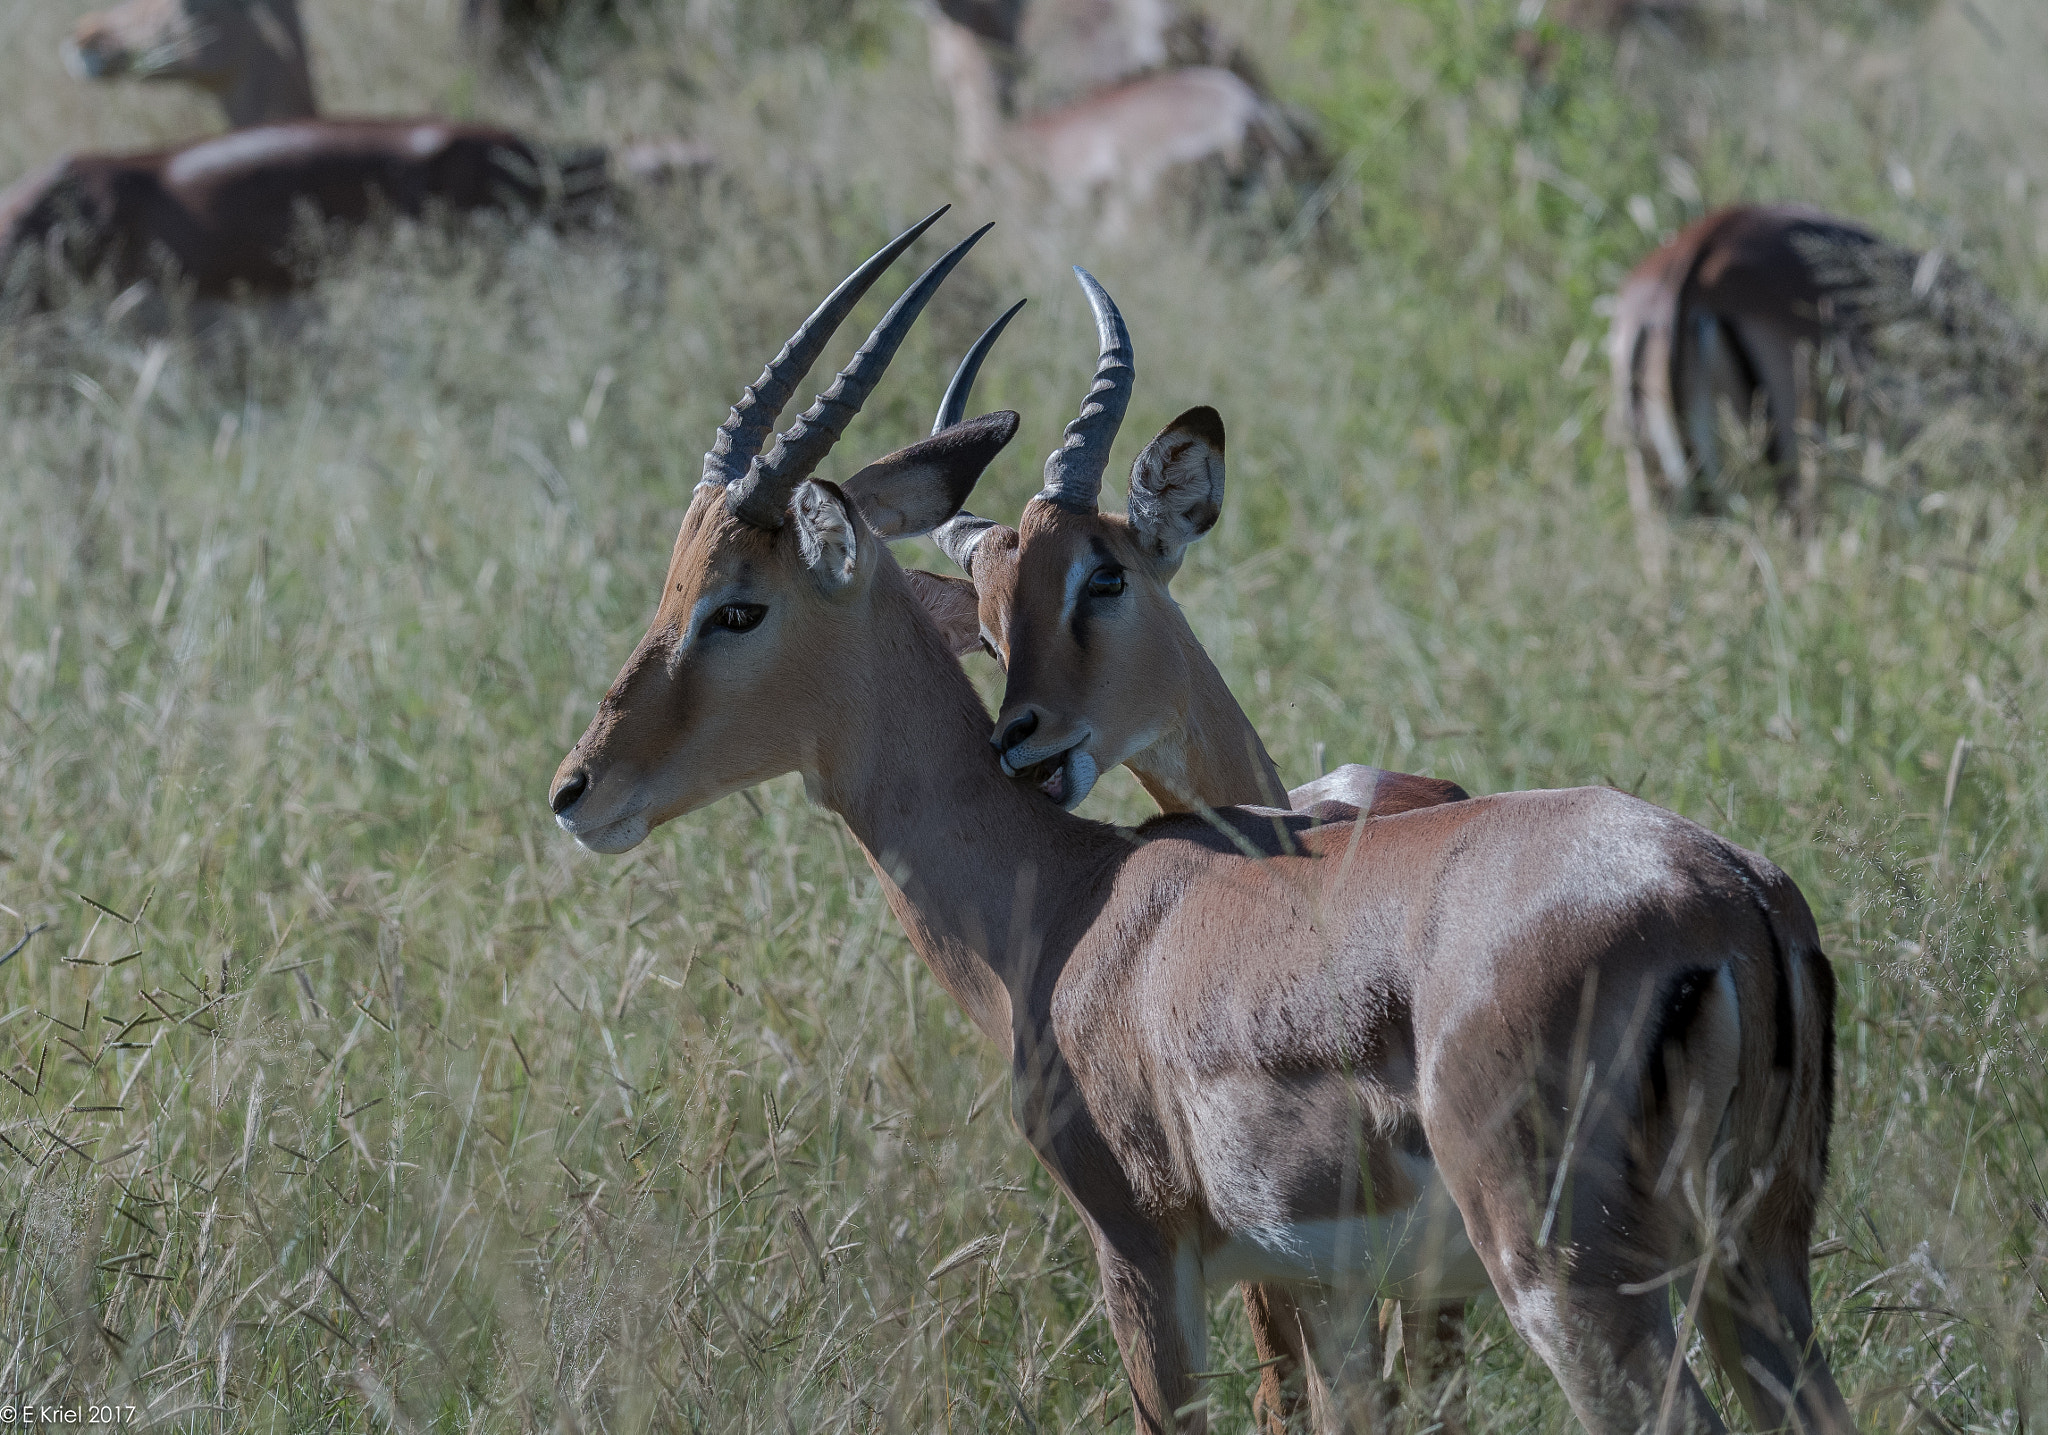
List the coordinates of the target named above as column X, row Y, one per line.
column 1055, row 786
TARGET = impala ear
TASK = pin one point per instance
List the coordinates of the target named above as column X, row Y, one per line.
column 1177, row 486
column 951, row 603
column 825, row 533
column 915, row 489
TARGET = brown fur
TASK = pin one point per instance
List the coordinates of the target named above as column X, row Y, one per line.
column 1143, row 674
column 1729, row 312
column 1116, row 146
column 222, row 214
column 249, row 54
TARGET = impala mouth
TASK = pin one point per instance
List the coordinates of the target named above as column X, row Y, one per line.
column 1066, row 776
column 620, row 834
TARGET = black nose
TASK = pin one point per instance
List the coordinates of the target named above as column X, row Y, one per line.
column 1018, row 730
column 566, row 795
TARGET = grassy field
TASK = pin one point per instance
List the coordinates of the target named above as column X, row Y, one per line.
column 343, row 1092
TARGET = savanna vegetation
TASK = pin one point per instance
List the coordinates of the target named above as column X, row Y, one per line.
column 342, row 1092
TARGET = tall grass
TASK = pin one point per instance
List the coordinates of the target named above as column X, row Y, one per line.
column 343, row 1092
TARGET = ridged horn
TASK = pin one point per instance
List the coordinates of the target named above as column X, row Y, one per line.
column 761, row 496
column 752, row 419
column 1073, row 474
column 958, row 534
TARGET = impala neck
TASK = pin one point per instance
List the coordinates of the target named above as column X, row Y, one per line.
column 1211, row 755
column 990, row 880
column 274, row 84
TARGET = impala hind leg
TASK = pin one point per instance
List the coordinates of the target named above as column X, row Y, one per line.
column 1593, row 1301
column 1616, row 1356
column 1433, row 1349
column 1758, row 1320
column 1281, row 1338
column 1347, row 1392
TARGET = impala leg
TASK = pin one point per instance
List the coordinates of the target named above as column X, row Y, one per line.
column 1758, row 1319
column 1347, row 1392
column 1782, row 371
column 1616, row 1355
column 1282, row 1340
column 1433, row 1344
column 1154, row 1298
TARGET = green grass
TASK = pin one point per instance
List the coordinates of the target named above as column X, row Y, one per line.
column 373, row 1103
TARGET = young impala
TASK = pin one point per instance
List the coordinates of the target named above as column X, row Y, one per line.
column 1561, row 1042
column 1153, row 701
column 1161, row 707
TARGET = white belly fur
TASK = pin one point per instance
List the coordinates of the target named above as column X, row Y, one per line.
column 1419, row 1251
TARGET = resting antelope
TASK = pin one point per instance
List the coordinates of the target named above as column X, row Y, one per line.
column 252, row 56
column 223, row 214
column 1730, row 311
column 1117, row 146
column 1563, row 1043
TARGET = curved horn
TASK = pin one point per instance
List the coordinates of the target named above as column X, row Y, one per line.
column 752, row 419
column 1073, row 474
column 953, row 407
column 760, row 497
column 958, row 534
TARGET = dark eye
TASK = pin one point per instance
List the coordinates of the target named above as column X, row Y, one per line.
column 1106, row 582
column 738, row 617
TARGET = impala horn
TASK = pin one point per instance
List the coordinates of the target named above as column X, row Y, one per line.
column 752, row 419
column 1073, row 474
column 958, row 534
column 760, row 496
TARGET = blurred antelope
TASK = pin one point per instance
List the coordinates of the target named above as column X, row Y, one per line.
column 252, row 56
column 1733, row 311
column 223, row 214
column 1158, row 705
column 1565, row 1043
column 1115, row 147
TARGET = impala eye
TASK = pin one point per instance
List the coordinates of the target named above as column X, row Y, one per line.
column 739, row 617
column 1106, row 582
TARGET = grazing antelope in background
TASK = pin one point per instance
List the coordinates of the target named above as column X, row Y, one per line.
column 1563, row 1043
column 223, row 214
column 1156, row 703
column 1731, row 311
column 1115, row 147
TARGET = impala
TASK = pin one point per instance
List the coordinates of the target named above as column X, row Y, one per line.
column 1116, row 146
column 223, row 214
column 1156, row 702
column 1731, row 311
column 1106, row 642
column 1562, row 1043
column 252, row 56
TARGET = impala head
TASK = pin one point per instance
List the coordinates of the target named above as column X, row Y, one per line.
column 225, row 46
column 756, row 655
column 1074, row 601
